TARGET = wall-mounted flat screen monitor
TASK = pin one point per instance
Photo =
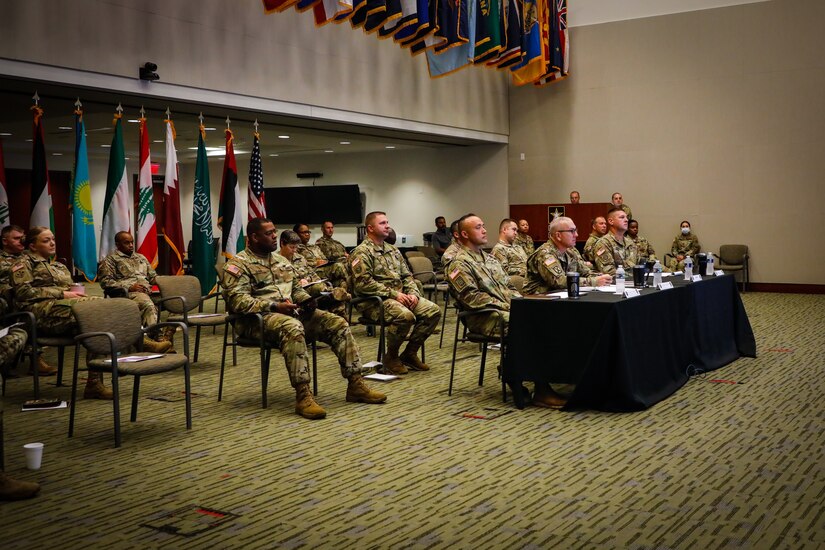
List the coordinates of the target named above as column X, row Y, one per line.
column 340, row 204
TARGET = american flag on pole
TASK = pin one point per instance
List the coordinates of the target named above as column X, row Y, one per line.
column 257, row 204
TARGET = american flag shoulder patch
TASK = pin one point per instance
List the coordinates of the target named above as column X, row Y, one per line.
column 550, row 261
column 454, row 273
column 600, row 252
column 233, row 269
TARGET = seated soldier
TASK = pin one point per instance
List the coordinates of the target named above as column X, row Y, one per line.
column 643, row 247
column 512, row 257
column 12, row 236
column 332, row 249
column 548, row 266
column 441, row 237
column 256, row 280
column 329, row 298
column 127, row 274
column 315, row 257
column 43, row 288
column 523, row 239
column 378, row 269
column 615, row 248
column 477, row 281
column 454, row 248
column 599, row 230
column 685, row 244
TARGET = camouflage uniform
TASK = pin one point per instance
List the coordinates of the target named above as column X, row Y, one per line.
column 379, row 270
column 547, row 269
column 512, row 257
column 251, row 284
column 450, row 253
column 11, row 345
column 627, row 211
column 477, row 281
column 643, row 248
column 526, row 242
column 38, row 288
column 306, row 274
column 685, row 245
column 334, row 271
column 119, row 271
column 590, row 245
column 6, row 261
column 608, row 253
column 332, row 249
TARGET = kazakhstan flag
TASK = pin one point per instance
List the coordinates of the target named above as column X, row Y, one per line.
column 84, row 243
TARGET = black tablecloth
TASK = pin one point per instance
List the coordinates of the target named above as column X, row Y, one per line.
column 636, row 351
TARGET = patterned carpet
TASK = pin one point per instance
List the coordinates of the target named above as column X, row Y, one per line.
column 716, row 465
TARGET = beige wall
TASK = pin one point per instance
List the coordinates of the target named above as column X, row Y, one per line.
column 715, row 116
column 232, row 46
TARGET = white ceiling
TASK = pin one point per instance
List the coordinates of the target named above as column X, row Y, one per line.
column 592, row 12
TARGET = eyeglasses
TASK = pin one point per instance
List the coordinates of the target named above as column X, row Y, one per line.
column 574, row 230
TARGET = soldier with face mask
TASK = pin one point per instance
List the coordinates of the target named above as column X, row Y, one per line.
column 686, row 243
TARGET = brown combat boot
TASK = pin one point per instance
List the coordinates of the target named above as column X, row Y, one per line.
column 547, row 398
column 392, row 364
column 359, row 392
column 43, row 368
column 95, row 388
column 410, row 358
column 11, row 489
column 305, row 404
column 156, row 347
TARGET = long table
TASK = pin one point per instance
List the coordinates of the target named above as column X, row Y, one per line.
column 635, row 351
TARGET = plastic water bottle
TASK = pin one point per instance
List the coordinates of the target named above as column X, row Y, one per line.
column 657, row 274
column 620, row 279
column 688, row 268
column 709, row 268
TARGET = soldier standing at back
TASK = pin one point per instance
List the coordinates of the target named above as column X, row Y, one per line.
column 128, row 274
column 615, row 248
column 378, row 269
column 257, row 280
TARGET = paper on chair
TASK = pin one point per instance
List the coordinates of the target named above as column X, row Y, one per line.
column 134, row 358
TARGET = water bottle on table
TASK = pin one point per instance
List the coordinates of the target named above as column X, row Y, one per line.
column 709, row 268
column 688, row 268
column 657, row 274
column 620, row 279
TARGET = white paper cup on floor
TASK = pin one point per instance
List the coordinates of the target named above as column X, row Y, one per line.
column 34, row 455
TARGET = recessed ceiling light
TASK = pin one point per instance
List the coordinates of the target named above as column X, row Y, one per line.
column 344, row 142
column 283, row 137
column 127, row 158
column 64, row 127
column 106, row 146
column 209, row 129
column 329, row 151
column 389, row 147
column 57, row 154
column 5, row 133
column 29, row 140
column 273, row 155
column 207, row 148
column 133, row 120
column 157, row 141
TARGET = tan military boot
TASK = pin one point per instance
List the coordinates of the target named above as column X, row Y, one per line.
column 167, row 334
column 43, row 368
column 95, row 388
column 12, row 489
column 305, row 404
column 547, row 398
column 156, row 347
column 392, row 364
column 359, row 392
column 411, row 360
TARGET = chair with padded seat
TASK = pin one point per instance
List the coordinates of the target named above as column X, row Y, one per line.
column 180, row 295
column 109, row 331
column 483, row 340
column 380, row 324
column 30, row 326
column 423, row 271
column 734, row 257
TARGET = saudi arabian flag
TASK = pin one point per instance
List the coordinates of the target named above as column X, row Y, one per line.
column 203, row 243
column 84, row 243
column 117, row 211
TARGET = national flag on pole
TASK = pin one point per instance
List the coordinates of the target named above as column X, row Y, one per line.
column 229, row 209
column 41, row 202
column 256, row 204
column 4, row 196
column 117, row 208
column 84, row 242
column 172, row 228
column 203, row 246
column 147, row 232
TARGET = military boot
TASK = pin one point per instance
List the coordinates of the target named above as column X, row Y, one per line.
column 11, row 489
column 547, row 398
column 95, row 388
column 305, row 404
column 156, row 347
column 167, row 334
column 43, row 368
column 392, row 364
column 410, row 358
column 359, row 392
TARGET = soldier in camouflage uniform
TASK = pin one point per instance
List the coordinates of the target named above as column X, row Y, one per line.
column 44, row 288
column 685, row 244
column 257, row 280
column 330, row 298
column 548, row 266
column 378, row 269
column 454, row 247
column 315, row 257
column 128, row 274
column 643, row 247
column 599, row 226
column 617, row 201
column 512, row 257
column 615, row 248
column 523, row 239
column 332, row 249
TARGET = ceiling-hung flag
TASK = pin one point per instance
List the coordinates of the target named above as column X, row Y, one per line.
column 461, row 54
column 277, row 5
column 4, row 196
column 202, row 253
column 511, row 48
column 147, row 232
column 229, row 209
column 488, row 43
column 329, row 11
column 380, row 12
column 408, row 19
column 304, row 5
column 41, row 197
column 532, row 64
column 358, row 15
column 172, row 228
column 256, row 204
column 558, row 45
column 117, row 208
column 84, row 241
column 423, row 26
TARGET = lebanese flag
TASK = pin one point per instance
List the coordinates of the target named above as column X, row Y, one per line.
column 147, row 233
column 172, row 228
